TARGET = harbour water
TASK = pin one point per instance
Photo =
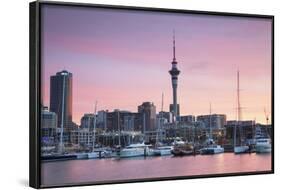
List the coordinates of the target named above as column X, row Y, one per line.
column 86, row 171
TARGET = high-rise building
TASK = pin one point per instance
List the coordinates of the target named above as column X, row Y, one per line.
column 147, row 112
column 122, row 120
column 187, row 118
column 87, row 121
column 174, row 72
column 61, row 98
column 215, row 121
column 101, row 119
column 167, row 115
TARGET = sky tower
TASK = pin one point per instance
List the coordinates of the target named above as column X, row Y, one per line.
column 174, row 72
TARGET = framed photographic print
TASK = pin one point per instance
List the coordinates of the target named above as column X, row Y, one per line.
column 130, row 94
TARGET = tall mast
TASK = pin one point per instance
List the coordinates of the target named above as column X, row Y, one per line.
column 238, row 112
column 238, row 98
column 119, row 130
column 266, row 116
column 159, row 128
column 161, row 121
column 61, row 145
column 95, row 122
column 210, row 122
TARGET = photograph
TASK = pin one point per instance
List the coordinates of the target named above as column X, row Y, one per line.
column 130, row 94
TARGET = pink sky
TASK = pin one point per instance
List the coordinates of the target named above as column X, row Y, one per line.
column 122, row 58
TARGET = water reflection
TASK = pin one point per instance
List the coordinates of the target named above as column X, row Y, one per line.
column 77, row 171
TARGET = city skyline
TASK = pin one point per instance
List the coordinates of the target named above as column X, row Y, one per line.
column 104, row 61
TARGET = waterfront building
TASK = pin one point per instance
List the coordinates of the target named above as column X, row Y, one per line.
column 160, row 120
column 187, row 118
column 245, row 130
column 61, row 98
column 48, row 126
column 129, row 122
column 186, row 131
column 167, row 115
column 216, row 121
column 174, row 72
column 87, row 121
column 147, row 112
column 101, row 119
column 123, row 120
column 82, row 137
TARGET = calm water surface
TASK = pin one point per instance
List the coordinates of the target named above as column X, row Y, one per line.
column 79, row 171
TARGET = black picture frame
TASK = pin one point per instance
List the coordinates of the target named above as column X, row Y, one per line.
column 35, row 88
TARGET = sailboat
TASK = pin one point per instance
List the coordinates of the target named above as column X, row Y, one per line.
column 211, row 147
column 132, row 150
column 94, row 153
column 240, row 148
column 160, row 149
column 263, row 140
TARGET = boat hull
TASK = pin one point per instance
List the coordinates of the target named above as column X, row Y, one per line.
column 93, row 155
column 132, row 153
column 162, row 151
column 50, row 158
column 263, row 148
column 241, row 149
column 211, row 151
column 82, row 155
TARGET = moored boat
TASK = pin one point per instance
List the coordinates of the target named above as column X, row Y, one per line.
column 134, row 150
column 212, row 149
column 58, row 157
column 241, row 149
column 263, row 145
column 183, row 150
column 163, row 150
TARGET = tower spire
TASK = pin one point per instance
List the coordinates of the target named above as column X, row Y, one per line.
column 174, row 72
column 174, row 46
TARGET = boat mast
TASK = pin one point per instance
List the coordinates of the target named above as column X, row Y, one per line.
column 160, row 122
column 61, row 145
column 144, row 126
column 89, row 126
column 119, row 130
column 238, row 97
column 266, row 116
column 238, row 112
column 95, row 122
column 210, row 122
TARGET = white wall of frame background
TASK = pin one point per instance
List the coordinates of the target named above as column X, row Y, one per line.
column 14, row 57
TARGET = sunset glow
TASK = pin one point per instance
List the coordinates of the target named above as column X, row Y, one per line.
column 122, row 58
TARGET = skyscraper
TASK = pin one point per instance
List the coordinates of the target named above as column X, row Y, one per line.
column 61, row 98
column 87, row 121
column 174, row 72
column 148, row 114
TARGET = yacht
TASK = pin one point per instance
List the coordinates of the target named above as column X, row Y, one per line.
column 162, row 150
column 81, row 155
column 94, row 154
column 183, row 150
column 134, row 150
column 241, row 149
column 263, row 145
column 212, row 149
column 178, row 141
